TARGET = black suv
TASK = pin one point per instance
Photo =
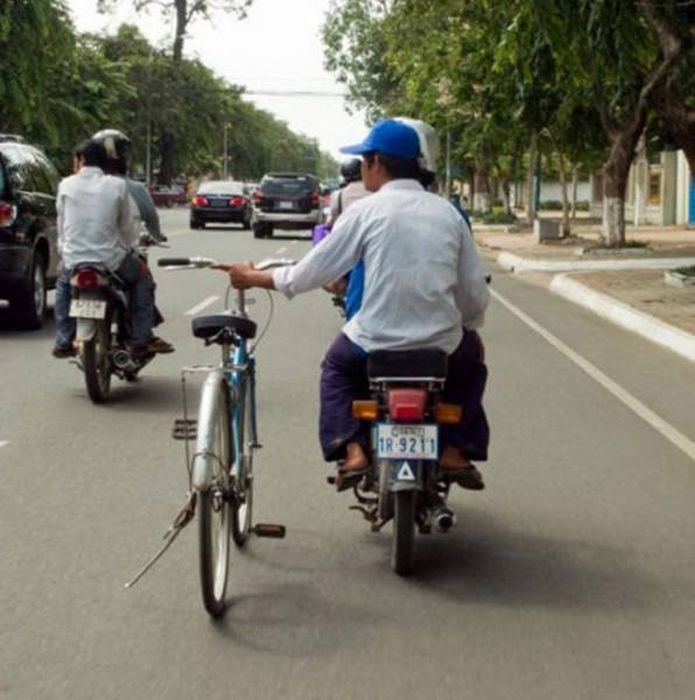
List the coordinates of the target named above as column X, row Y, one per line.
column 287, row 201
column 28, row 232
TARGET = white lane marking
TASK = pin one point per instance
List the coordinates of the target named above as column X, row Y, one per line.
column 4, row 442
column 201, row 306
column 646, row 414
column 280, row 251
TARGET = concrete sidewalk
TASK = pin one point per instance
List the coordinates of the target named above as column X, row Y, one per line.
column 627, row 286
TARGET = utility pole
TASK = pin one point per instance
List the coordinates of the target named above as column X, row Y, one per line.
column 225, row 163
column 448, row 164
column 148, row 153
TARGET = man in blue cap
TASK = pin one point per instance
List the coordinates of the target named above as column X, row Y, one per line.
column 424, row 285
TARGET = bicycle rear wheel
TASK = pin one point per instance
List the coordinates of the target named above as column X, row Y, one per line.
column 242, row 503
column 213, row 448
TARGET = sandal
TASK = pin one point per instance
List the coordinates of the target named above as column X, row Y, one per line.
column 466, row 477
column 347, row 478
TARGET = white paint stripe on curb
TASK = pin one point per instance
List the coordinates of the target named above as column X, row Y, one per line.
column 675, row 437
column 516, row 263
column 201, row 306
column 626, row 316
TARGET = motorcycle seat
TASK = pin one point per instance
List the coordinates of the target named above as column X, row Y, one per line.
column 427, row 363
column 209, row 326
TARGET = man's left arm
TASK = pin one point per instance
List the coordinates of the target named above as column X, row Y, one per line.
column 148, row 211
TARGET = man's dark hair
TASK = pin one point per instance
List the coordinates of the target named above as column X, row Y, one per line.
column 92, row 153
column 397, row 168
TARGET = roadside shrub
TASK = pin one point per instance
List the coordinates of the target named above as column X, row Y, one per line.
column 498, row 217
column 552, row 205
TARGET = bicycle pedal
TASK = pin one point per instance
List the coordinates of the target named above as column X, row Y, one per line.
column 331, row 480
column 269, row 530
column 185, row 429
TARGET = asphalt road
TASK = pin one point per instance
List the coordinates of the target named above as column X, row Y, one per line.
column 571, row 576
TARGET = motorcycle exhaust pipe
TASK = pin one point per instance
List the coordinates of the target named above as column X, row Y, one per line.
column 443, row 518
column 123, row 360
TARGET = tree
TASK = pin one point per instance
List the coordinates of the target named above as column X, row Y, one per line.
column 183, row 13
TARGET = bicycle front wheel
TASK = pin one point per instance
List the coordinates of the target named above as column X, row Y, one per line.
column 211, row 463
column 242, row 503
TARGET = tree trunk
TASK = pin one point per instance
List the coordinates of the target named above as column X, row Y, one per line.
column 481, row 198
column 530, row 194
column 166, row 163
column 575, row 185
column 565, row 199
column 615, row 174
column 181, row 22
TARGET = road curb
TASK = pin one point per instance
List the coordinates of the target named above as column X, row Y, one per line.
column 515, row 263
column 626, row 316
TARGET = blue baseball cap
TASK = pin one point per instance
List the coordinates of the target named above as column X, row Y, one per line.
column 391, row 137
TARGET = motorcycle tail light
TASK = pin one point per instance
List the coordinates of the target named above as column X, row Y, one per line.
column 407, row 405
column 7, row 214
column 447, row 413
column 199, row 201
column 87, row 280
column 365, row 410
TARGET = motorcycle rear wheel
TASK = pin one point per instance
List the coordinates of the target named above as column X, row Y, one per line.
column 403, row 537
column 96, row 361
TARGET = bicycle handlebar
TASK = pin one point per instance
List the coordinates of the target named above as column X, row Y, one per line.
column 185, row 262
column 198, row 262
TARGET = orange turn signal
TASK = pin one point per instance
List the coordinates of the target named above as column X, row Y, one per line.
column 447, row 413
column 365, row 410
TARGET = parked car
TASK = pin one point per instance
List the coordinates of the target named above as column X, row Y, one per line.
column 28, row 230
column 220, row 201
column 164, row 196
column 286, row 201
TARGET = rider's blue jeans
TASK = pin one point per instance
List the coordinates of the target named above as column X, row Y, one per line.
column 344, row 379
column 141, row 302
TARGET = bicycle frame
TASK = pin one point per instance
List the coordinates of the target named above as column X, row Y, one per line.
column 235, row 376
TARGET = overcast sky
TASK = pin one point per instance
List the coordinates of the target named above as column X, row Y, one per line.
column 276, row 48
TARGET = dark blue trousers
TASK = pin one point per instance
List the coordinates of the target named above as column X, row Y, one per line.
column 344, row 379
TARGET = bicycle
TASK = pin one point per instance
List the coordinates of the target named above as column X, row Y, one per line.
column 225, row 432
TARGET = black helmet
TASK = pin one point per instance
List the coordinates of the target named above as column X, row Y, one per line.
column 117, row 146
column 351, row 170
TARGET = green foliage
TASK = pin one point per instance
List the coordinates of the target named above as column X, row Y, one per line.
column 61, row 87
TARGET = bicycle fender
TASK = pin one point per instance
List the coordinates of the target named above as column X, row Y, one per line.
column 202, row 468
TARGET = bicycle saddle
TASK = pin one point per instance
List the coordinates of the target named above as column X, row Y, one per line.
column 208, row 326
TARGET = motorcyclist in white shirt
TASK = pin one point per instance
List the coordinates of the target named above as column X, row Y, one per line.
column 96, row 224
column 424, row 284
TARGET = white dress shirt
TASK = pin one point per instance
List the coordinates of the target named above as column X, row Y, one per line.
column 96, row 221
column 423, row 278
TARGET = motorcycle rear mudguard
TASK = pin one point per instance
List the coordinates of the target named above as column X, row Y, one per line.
column 406, row 475
column 86, row 328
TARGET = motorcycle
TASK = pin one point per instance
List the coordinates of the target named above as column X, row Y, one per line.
column 99, row 305
column 403, row 483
